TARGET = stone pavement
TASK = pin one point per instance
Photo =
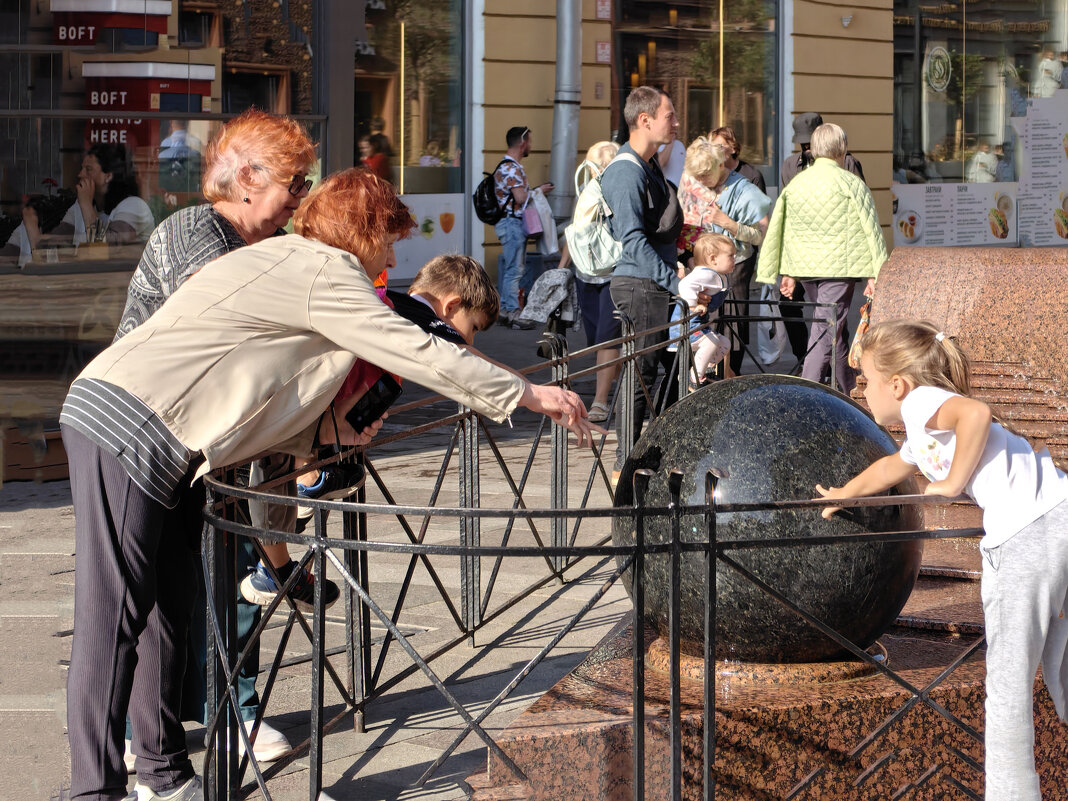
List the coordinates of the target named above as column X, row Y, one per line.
column 411, row 725
column 406, row 729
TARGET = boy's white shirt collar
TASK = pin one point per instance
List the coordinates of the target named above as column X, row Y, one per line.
column 422, row 300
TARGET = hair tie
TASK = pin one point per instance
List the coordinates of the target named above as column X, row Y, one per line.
column 940, row 336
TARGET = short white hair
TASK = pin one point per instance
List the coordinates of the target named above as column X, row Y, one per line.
column 829, row 141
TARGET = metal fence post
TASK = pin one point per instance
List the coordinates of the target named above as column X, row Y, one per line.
column 470, row 526
column 834, row 347
column 357, row 619
column 709, row 727
column 683, row 351
column 559, row 446
column 215, row 777
column 641, row 485
column 318, row 625
column 224, row 781
column 674, row 637
column 628, row 386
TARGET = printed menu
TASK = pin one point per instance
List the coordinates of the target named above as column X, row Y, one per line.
column 955, row 214
column 1044, row 188
column 1032, row 212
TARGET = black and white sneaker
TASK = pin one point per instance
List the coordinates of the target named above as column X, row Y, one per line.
column 339, row 480
column 259, row 588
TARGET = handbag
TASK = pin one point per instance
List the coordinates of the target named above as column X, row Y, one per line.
column 862, row 328
column 771, row 334
column 549, row 244
column 531, row 222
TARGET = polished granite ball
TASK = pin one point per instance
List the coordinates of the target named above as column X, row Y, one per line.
column 774, row 438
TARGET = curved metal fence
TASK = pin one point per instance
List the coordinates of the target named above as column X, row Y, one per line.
column 561, row 532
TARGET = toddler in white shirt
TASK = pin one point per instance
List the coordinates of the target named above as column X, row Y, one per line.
column 713, row 257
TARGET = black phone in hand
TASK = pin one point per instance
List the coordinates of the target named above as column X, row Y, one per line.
column 374, row 403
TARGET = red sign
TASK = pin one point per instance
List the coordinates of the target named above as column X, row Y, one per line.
column 604, row 9
column 604, row 53
column 138, row 86
column 79, row 22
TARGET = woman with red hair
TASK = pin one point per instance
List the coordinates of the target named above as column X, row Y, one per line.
column 242, row 359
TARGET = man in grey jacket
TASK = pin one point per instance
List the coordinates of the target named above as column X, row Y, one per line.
column 646, row 220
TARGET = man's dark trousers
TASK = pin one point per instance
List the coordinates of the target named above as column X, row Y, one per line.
column 646, row 304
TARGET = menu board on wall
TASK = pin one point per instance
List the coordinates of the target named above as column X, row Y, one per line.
column 1030, row 213
column 955, row 214
column 1044, row 187
column 436, row 232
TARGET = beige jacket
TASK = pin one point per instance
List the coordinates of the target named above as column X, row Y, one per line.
column 249, row 352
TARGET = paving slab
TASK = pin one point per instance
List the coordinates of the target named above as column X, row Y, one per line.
column 410, row 725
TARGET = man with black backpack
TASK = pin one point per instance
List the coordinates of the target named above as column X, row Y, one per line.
column 511, row 191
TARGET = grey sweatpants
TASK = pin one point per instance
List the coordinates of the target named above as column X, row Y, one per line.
column 1025, row 605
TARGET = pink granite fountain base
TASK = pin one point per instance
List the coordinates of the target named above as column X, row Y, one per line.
column 774, row 732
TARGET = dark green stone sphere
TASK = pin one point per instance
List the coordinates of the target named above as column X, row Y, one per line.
column 775, row 438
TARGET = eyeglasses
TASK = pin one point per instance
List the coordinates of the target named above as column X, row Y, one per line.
column 298, row 185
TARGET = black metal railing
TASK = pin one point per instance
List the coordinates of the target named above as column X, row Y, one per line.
column 576, row 532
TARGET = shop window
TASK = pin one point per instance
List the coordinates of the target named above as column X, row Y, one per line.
column 199, row 28
column 409, row 94
column 95, row 74
column 676, row 47
column 249, row 85
column 978, row 91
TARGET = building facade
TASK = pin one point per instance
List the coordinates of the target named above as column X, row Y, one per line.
column 931, row 94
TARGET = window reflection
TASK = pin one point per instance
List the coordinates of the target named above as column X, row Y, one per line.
column 677, row 48
column 98, row 149
column 409, row 94
column 963, row 71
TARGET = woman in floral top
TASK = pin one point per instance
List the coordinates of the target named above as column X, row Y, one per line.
column 717, row 200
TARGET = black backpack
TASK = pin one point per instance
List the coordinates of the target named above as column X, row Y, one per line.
column 487, row 209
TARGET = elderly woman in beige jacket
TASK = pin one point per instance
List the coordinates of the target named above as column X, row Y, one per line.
column 245, row 357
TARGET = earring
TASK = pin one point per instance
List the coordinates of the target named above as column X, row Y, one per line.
column 247, row 200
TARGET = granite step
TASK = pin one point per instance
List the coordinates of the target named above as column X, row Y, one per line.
column 957, row 558
column 944, row 604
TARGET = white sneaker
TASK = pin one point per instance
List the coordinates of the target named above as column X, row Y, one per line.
column 192, row 790
column 128, row 757
column 269, row 743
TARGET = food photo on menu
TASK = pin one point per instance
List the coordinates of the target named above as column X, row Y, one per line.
column 1000, row 216
column 909, row 224
column 1060, row 216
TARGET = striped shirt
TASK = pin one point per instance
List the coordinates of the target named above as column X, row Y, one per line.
column 124, row 427
column 180, row 245
column 118, row 422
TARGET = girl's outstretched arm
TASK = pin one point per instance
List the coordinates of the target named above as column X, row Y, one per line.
column 878, row 477
column 969, row 419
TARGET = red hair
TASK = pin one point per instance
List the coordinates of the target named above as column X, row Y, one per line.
column 269, row 142
column 353, row 210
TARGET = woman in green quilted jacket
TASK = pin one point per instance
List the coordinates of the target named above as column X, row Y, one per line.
column 824, row 233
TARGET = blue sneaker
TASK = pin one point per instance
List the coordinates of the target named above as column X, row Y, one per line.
column 337, row 481
column 259, row 588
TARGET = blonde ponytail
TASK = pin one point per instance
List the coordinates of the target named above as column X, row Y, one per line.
column 919, row 352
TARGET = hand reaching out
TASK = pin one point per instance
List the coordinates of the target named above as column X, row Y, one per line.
column 564, row 407
column 832, row 492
